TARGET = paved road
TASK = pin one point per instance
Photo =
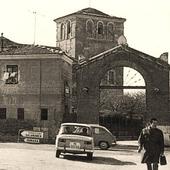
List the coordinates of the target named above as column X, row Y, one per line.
column 20, row 156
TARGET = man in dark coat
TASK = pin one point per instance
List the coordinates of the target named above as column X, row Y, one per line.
column 152, row 140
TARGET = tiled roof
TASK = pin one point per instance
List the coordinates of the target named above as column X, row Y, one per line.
column 91, row 12
column 127, row 49
column 6, row 43
column 8, row 47
column 31, row 49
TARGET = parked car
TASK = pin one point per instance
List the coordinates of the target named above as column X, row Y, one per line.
column 102, row 136
column 75, row 138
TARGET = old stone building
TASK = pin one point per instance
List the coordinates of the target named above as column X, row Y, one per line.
column 96, row 40
column 35, row 88
column 89, row 32
column 41, row 86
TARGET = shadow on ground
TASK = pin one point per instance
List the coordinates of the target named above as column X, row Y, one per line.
column 98, row 160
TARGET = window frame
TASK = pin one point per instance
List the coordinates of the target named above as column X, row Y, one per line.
column 20, row 114
column 62, row 31
column 90, row 28
column 44, row 114
column 68, row 25
column 14, row 69
column 100, row 28
column 3, row 113
column 110, row 31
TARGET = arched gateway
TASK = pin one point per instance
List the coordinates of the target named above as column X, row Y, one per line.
column 155, row 72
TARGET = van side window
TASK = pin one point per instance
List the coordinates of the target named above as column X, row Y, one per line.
column 96, row 130
column 102, row 131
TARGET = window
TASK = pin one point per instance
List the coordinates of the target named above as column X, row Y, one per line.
column 2, row 113
column 96, row 130
column 68, row 29
column 11, row 74
column 62, row 32
column 20, row 113
column 100, row 29
column 111, row 77
column 44, row 114
column 89, row 28
column 110, row 31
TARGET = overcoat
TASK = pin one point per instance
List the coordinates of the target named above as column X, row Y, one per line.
column 152, row 140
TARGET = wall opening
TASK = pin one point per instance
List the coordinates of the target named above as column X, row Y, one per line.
column 122, row 102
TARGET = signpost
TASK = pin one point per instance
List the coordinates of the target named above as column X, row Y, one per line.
column 31, row 136
column 30, row 140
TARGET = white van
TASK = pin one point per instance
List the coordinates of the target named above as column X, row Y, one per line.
column 166, row 132
column 102, row 136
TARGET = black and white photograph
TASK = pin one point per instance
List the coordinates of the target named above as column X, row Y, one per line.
column 84, row 85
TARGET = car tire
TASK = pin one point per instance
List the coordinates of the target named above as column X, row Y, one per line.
column 89, row 156
column 103, row 145
column 57, row 155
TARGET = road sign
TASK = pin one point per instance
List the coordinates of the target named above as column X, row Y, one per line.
column 30, row 140
column 32, row 134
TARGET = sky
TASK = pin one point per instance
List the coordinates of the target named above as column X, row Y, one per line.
column 147, row 27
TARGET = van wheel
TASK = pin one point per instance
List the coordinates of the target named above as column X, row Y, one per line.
column 57, row 153
column 103, row 145
column 89, row 156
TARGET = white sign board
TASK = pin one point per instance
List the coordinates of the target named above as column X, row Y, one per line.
column 30, row 140
column 32, row 134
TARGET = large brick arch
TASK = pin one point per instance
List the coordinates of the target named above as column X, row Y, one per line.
column 154, row 71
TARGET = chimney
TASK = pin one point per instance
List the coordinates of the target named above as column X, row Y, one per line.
column 2, row 42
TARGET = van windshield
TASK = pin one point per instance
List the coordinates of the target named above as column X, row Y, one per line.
column 75, row 130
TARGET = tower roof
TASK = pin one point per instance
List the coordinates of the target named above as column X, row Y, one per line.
column 91, row 12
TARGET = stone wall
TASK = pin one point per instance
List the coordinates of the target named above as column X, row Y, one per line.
column 155, row 74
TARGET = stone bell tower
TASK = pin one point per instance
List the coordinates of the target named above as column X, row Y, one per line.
column 88, row 32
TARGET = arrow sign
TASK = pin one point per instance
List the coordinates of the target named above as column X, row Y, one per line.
column 32, row 134
column 30, row 140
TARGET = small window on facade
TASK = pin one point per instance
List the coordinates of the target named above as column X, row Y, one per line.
column 89, row 28
column 20, row 113
column 100, row 29
column 110, row 31
column 62, row 32
column 44, row 114
column 112, row 77
column 2, row 113
column 11, row 74
column 68, row 29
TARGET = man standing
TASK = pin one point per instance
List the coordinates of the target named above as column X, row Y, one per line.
column 152, row 140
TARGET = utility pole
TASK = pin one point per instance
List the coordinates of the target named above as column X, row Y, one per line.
column 35, row 18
